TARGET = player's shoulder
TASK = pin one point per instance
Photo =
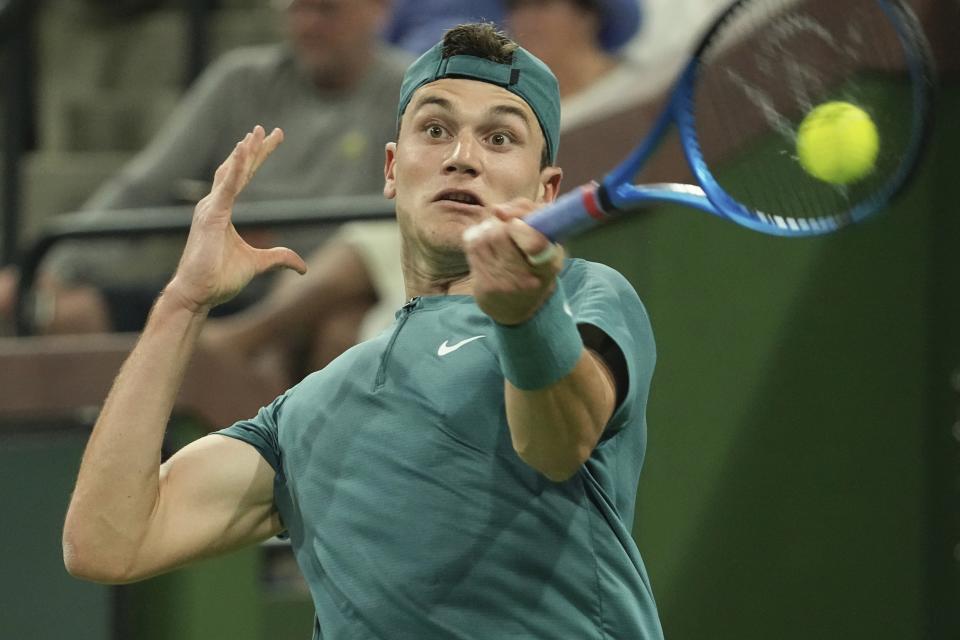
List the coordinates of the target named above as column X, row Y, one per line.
column 578, row 274
column 596, row 290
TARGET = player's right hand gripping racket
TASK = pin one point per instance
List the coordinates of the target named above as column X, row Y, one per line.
column 762, row 66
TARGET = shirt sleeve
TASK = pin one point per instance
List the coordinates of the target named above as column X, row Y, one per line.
column 262, row 433
column 602, row 297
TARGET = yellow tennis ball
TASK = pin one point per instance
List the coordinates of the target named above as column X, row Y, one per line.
column 838, row 143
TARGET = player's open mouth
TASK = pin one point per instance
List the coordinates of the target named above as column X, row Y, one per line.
column 459, row 196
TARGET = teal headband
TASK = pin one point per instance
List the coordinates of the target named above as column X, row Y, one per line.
column 525, row 76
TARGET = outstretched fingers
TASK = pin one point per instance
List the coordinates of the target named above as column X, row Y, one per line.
column 216, row 262
column 227, row 181
column 266, row 145
column 243, row 162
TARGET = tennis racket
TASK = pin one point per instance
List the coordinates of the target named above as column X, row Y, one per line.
column 761, row 67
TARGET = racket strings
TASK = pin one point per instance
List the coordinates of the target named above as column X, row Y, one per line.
column 766, row 67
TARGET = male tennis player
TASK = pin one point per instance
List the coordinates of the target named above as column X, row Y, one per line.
column 471, row 472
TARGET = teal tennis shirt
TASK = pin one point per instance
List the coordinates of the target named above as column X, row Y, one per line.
column 408, row 510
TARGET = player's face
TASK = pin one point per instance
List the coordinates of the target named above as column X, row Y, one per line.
column 464, row 146
column 328, row 35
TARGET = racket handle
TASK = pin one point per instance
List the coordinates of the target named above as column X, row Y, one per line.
column 569, row 214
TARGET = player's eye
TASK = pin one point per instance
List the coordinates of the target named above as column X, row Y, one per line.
column 435, row 131
column 499, row 139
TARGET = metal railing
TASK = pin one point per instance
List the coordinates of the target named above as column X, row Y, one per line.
column 158, row 221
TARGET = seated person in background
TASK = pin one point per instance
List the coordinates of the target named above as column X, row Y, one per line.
column 584, row 42
column 359, row 275
column 332, row 87
column 416, row 25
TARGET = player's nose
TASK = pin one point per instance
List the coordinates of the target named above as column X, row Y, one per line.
column 463, row 155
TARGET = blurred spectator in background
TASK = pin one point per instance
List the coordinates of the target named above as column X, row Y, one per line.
column 332, row 86
column 354, row 285
column 580, row 40
column 584, row 43
column 417, row 25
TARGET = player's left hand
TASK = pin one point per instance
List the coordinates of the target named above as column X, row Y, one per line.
column 513, row 267
column 217, row 263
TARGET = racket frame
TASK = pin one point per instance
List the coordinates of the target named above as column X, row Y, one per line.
column 593, row 203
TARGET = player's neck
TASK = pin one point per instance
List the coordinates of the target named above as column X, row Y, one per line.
column 439, row 276
column 418, row 287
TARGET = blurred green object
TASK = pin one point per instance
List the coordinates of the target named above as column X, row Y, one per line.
column 798, row 481
column 40, row 600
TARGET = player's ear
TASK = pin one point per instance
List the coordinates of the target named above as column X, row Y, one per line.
column 550, row 178
column 389, row 180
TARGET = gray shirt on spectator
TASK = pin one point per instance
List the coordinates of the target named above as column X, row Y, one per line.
column 333, row 146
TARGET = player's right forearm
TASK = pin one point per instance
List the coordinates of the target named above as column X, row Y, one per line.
column 118, row 484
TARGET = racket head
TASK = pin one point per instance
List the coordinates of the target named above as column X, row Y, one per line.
column 762, row 67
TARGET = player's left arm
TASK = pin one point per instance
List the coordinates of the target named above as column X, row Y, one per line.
column 557, row 416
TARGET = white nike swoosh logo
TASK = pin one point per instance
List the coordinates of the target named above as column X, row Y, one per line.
column 445, row 348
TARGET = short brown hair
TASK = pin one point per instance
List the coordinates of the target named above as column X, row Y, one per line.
column 480, row 40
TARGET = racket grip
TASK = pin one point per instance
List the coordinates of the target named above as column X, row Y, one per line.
column 569, row 214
